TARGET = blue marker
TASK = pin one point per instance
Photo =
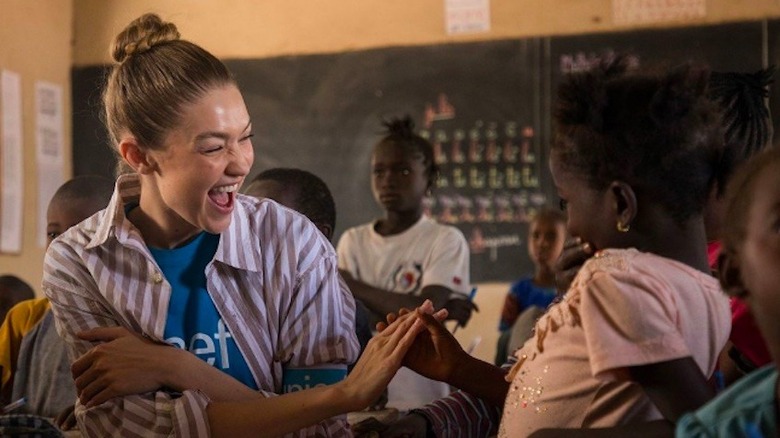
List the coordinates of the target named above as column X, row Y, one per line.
column 472, row 294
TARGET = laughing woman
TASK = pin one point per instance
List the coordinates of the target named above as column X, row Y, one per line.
column 249, row 292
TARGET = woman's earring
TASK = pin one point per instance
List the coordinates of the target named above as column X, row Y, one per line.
column 623, row 228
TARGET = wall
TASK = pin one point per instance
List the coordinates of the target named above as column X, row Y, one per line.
column 249, row 29
column 35, row 41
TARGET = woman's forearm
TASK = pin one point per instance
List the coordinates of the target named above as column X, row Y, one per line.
column 185, row 371
column 275, row 416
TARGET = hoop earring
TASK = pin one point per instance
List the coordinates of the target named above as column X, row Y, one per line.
column 623, row 228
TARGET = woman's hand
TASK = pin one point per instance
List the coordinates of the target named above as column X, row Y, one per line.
column 123, row 364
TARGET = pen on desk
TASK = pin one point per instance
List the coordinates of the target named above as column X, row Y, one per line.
column 472, row 294
column 14, row 405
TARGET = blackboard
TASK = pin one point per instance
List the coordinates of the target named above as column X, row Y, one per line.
column 485, row 106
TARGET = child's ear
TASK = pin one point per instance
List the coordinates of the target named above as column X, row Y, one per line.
column 625, row 202
column 136, row 156
column 730, row 275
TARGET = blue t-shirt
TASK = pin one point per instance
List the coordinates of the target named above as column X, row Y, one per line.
column 528, row 294
column 748, row 408
column 193, row 322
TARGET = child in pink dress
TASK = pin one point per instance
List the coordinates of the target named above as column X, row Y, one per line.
column 632, row 343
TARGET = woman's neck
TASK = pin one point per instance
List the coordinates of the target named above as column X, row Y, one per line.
column 157, row 228
column 396, row 222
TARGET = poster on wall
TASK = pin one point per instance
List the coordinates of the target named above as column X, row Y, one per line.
column 11, row 160
column 49, row 148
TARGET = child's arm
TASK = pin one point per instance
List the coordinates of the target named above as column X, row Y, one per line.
column 675, row 386
column 436, row 354
column 382, row 302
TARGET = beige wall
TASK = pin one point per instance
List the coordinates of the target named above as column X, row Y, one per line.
column 35, row 41
column 256, row 29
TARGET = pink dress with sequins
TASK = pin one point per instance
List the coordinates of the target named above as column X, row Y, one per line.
column 624, row 308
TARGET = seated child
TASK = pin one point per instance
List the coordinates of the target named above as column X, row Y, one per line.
column 532, row 295
column 405, row 257
column 748, row 269
column 34, row 359
column 12, row 291
column 748, row 131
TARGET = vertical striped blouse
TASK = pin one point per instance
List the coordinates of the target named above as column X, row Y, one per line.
column 273, row 279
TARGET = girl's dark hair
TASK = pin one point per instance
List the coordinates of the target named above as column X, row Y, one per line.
column 399, row 132
column 739, row 196
column 155, row 75
column 746, row 121
column 654, row 131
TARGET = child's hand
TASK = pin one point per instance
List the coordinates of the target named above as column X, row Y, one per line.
column 574, row 254
column 123, row 364
column 460, row 309
column 382, row 358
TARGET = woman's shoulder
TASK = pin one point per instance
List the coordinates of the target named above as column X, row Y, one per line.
column 272, row 224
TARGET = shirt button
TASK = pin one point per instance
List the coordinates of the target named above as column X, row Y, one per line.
column 157, row 278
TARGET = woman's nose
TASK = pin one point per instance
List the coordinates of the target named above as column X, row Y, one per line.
column 241, row 161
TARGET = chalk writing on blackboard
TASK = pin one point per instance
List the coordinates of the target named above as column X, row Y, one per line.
column 489, row 181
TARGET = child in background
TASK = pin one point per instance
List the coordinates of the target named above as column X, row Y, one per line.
column 748, row 269
column 34, row 360
column 307, row 194
column 12, row 291
column 748, row 131
column 406, row 257
column 630, row 345
column 532, row 295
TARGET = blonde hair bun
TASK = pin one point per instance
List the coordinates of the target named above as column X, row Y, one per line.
column 142, row 34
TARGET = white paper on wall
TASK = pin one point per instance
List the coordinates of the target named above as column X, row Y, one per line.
column 49, row 148
column 12, row 162
column 467, row 16
column 654, row 11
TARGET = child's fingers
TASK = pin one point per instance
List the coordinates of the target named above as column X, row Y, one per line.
column 441, row 315
column 431, row 323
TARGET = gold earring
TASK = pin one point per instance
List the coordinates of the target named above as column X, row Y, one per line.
column 623, row 228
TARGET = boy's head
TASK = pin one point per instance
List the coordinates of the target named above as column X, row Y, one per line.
column 748, row 263
column 546, row 235
column 747, row 130
column 12, row 290
column 298, row 190
column 76, row 200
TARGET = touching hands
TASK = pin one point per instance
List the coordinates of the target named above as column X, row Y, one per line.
column 384, row 356
column 573, row 256
column 435, row 352
column 123, row 364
